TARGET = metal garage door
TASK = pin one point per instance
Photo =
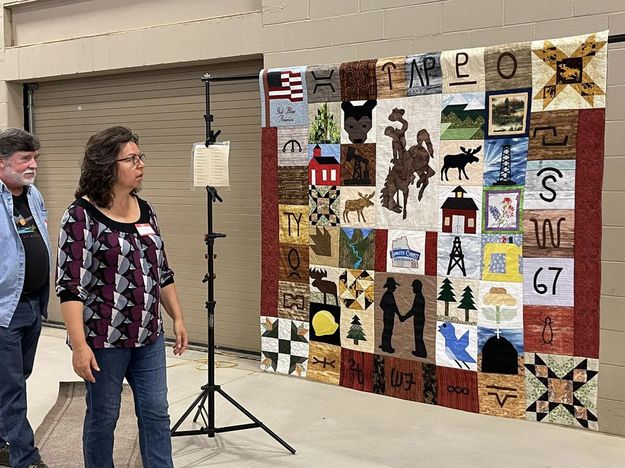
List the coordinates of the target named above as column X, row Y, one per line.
column 165, row 108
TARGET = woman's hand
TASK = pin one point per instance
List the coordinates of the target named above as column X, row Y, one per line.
column 83, row 361
column 182, row 340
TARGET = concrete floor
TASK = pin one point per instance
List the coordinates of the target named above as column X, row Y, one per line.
column 333, row 426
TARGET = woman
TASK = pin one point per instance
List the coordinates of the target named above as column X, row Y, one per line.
column 112, row 275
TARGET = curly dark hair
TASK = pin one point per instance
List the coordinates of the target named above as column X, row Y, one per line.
column 98, row 172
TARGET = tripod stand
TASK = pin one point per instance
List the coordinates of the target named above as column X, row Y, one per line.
column 205, row 402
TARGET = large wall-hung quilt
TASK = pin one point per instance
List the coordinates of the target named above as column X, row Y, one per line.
column 432, row 226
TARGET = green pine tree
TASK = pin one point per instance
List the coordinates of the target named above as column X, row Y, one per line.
column 467, row 303
column 447, row 294
column 356, row 332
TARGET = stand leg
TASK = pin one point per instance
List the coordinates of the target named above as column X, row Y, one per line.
column 238, row 406
column 201, row 397
column 200, row 408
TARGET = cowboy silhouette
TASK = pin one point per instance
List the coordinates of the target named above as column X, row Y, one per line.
column 389, row 307
column 418, row 312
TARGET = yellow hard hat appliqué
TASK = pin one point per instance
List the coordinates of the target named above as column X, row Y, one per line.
column 323, row 323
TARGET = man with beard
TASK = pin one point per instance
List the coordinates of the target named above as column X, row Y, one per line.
column 24, row 290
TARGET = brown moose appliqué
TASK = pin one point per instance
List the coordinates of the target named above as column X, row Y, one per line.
column 327, row 287
column 357, row 205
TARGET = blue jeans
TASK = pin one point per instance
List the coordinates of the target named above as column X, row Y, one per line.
column 18, row 343
column 144, row 369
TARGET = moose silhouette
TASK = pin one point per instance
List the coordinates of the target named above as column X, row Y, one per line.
column 357, row 205
column 323, row 285
column 459, row 161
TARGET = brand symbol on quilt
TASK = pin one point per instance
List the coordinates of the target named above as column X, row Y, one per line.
column 292, row 143
column 549, row 178
column 555, row 242
column 325, row 363
column 402, row 379
column 501, row 399
column 294, row 263
column 547, row 335
column 462, row 59
column 552, row 138
column 504, row 75
column 429, row 64
column 355, row 368
column 387, row 67
column 457, row 389
column 322, row 78
column 293, row 301
column 297, row 218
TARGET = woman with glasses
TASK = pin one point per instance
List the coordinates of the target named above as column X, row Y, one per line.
column 112, row 276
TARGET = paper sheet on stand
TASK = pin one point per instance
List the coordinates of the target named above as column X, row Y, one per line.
column 210, row 164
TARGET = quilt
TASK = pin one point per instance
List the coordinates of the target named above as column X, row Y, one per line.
column 431, row 226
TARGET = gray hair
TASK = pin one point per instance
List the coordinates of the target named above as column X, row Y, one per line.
column 15, row 139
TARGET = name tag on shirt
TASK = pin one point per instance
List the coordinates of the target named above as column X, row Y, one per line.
column 144, row 229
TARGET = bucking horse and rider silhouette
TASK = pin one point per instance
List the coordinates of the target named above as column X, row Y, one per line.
column 407, row 164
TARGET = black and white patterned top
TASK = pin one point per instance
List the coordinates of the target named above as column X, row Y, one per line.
column 117, row 271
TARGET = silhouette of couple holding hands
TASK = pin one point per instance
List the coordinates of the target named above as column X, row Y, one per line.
column 390, row 309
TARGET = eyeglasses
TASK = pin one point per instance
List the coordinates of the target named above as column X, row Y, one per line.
column 135, row 158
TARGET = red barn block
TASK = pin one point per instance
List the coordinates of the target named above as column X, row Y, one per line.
column 459, row 213
column 323, row 170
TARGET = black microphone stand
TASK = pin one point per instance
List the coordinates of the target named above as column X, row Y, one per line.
column 205, row 402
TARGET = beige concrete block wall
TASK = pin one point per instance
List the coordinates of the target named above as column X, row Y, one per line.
column 64, row 38
column 375, row 28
